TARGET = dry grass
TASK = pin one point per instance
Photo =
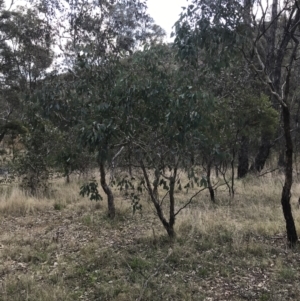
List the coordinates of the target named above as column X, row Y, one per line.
column 64, row 247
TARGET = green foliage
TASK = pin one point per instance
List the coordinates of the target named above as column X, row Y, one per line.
column 58, row 206
column 250, row 115
column 71, row 157
column 214, row 27
column 131, row 190
column 15, row 126
column 91, row 190
column 35, row 164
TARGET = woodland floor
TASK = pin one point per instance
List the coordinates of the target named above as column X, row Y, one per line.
column 69, row 249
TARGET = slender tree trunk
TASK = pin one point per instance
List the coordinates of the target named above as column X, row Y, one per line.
column 232, row 173
column 2, row 135
column 286, row 191
column 108, row 192
column 216, row 170
column 280, row 93
column 68, row 178
column 209, row 185
column 171, row 231
column 271, row 38
column 243, row 165
column 168, row 225
column 273, row 67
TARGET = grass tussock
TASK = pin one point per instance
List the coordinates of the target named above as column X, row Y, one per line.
column 16, row 202
column 64, row 247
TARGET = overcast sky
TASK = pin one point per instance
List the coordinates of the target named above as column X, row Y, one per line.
column 165, row 12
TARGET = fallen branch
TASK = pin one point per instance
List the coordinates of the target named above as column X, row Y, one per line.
column 268, row 171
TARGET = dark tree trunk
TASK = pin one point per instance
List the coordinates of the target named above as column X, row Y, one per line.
column 217, row 170
column 280, row 94
column 168, row 225
column 243, row 165
column 286, row 191
column 232, row 173
column 209, row 185
column 2, row 135
column 108, row 192
column 170, row 231
column 68, row 178
column 262, row 155
column 271, row 38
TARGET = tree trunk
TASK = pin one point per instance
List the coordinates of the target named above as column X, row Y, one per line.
column 232, row 173
column 243, row 165
column 273, row 68
column 209, row 186
column 108, row 192
column 216, row 170
column 2, row 135
column 262, row 155
column 170, row 230
column 271, row 48
column 286, row 191
column 168, row 225
column 68, row 178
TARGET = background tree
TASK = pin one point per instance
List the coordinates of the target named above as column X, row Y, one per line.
column 99, row 35
column 26, row 53
column 212, row 27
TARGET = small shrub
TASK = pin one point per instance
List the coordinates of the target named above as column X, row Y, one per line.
column 58, row 206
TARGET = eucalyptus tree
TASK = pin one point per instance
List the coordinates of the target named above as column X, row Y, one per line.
column 246, row 109
column 97, row 36
column 205, row 48
column 163, row 118
column 278, row 80
column 25, row 55
column 218, row 27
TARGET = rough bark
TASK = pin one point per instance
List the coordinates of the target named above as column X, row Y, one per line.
column 286, row 191
column 108, row 192
column 243, row 159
